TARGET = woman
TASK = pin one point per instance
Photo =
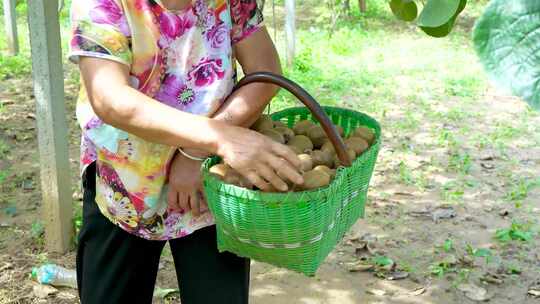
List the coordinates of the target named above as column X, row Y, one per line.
column 156, row 74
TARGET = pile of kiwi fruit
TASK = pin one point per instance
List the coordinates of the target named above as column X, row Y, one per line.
column 308, row 140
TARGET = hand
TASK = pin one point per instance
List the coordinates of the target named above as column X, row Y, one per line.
column 258, row 158
column 185, row 186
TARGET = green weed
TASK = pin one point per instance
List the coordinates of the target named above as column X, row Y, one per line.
column 441, row 268
column 453, row 191
column 516, row 232
column 4, row 149
column 3, row 176
column 460, row 162
column 520, row 189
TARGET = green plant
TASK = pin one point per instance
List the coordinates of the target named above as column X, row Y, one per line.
column 503, row 36
column 37, row 229
column 441, row 268
column 516, row 232
column 448, row 245
column 437, row 17
column 460, row 162
column 382, row 261
column 4, row 149
column 520, row 189
column 452, row 191
column 3, row 175
column 480, row 253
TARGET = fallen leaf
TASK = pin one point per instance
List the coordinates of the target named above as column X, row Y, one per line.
column 504, row 213
column 418, row 291
column 474, row 292
column 359, row 267
column 164, row 292
column 487, row 166
column 443, row 213
column 534, row 293
column 376, row 292
column 6, row 266
column 492, row 278
column 43, row 291
column 397, row 275
column 64, row 295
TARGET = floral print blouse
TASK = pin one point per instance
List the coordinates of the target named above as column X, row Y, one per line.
column 183, row 59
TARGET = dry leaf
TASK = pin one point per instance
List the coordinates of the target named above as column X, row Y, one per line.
column 474, row 292
column 376, row 292
column 358, row 267
column 418, row 291
column 43, row 291
column 397, row 275
column 534, row 293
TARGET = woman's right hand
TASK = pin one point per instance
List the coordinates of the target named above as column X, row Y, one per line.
column 261, row 160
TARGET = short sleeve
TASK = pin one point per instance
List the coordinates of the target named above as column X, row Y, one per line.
column 246, row 17
column 99, row 29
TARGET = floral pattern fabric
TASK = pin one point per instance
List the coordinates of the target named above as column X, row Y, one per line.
column 183, row 59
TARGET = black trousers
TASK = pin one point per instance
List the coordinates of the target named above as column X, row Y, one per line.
column 116, row 267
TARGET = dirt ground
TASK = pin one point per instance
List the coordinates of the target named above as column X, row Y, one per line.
column 446, row 183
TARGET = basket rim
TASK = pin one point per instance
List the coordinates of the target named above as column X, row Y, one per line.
column 298, row 196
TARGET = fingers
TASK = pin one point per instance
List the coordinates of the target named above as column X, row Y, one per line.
column 202, row 201
column 271, row 176
column 285, row 169
column 256, row 180
column 172, row 199
column 183, row 201
column 286, row 153
column 195, row 203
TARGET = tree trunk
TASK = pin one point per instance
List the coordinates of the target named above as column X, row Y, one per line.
column 362, row 5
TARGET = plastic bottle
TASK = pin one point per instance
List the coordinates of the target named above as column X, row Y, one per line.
column 55, row 275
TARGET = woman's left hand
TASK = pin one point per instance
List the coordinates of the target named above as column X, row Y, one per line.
column 185, row 186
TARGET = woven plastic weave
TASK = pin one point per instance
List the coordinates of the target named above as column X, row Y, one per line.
column 295, row 230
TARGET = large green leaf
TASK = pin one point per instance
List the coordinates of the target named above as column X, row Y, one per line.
column 440, row 31
column 507, row 40
column 438, row 12
column 405, row 10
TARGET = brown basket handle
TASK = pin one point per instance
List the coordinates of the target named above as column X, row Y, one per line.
column 309, row 102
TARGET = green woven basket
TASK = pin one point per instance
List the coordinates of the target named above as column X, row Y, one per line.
column 295, row 230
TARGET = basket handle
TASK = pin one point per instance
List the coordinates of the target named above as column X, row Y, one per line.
column 308, row 101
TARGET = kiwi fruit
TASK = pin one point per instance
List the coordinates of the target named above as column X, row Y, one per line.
column 317, row 136
column 328, row 147
column 232, row 178
column 296, row 150
column 352, row 156
column 302, row 142
column 306, row 162
column 263, row 123
column 315, row 179
column 322, row 158
column 274, row 135
column 302, row 127
column 287, row 133
column 279, row 124
column 358, row 144
column 327, row 170
column 366, row 133
column 220, row 170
